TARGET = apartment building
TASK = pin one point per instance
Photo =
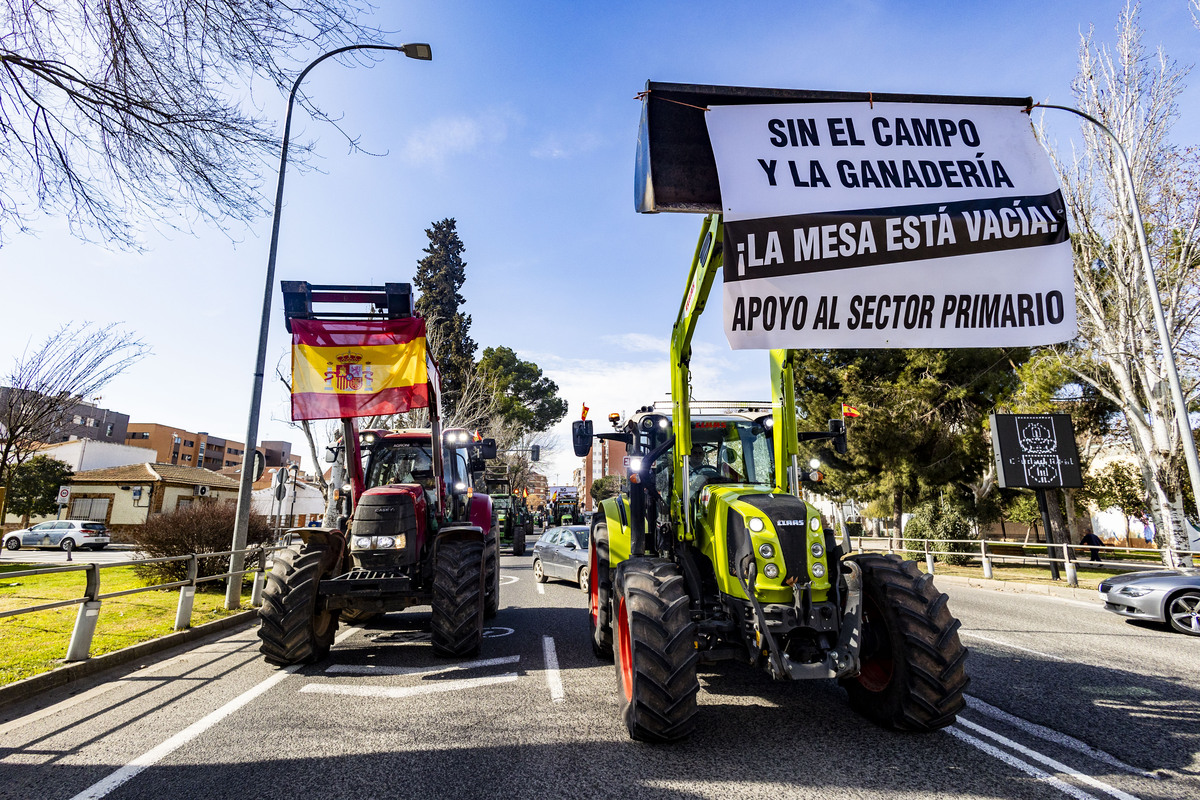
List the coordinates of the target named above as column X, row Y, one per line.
column 185, row 448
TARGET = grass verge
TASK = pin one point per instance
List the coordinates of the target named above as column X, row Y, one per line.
column 34, row 643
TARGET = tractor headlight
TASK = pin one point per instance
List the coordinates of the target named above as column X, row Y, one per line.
column 814, row 524
column 363, row 542
column 771, row 571
column 817, row 550
column 818, row 570
column 766, row 550
column 755, row 524
column 386, row 542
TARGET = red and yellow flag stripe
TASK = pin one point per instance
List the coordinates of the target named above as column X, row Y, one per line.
column 358, row 368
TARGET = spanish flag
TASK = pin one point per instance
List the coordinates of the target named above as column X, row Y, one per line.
column 847, row 411
column 585, row 410
column 358, row 368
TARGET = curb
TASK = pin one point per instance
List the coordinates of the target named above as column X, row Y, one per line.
column 1018, row 587
column 69, row 673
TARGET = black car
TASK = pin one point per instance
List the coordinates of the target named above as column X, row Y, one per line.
column 562, row 553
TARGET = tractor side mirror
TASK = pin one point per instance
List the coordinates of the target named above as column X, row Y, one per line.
column 331, row 454
column 581, row 437
column 838, row 428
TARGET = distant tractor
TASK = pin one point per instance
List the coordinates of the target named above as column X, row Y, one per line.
column 513, row 522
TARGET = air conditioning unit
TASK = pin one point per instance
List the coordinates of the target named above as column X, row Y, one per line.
column 202, row 491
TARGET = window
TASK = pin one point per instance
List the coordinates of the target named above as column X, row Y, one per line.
column 90, row 422
column 93, row 508
column 108, row 430
column 187, row 456
column 78, row 420
column 189, row 443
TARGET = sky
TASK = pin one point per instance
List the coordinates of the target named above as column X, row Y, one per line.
column 523, row 128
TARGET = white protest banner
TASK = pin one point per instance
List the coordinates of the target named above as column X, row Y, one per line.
column 894, row 225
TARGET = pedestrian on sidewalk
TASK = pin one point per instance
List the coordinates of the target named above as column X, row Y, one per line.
column 1093, row 541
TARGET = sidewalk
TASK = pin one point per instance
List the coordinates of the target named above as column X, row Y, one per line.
column 1021, row 587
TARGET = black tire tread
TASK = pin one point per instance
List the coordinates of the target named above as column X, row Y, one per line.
column 663, row 642
column 602, row 635
column 929, row 675
column 286, row 630
column 457, row 620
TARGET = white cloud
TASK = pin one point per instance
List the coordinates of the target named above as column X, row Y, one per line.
column 445, row 137
column 638, row 343
column 560, row 146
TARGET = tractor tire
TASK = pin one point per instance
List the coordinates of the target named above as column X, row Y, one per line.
column 292, row 628
column 458, row 595
column 600, row 594
column 912, row 676
column 491, row 603
column 518, row 546
column 655, row 651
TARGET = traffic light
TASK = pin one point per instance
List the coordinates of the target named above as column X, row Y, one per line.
column 535, row 452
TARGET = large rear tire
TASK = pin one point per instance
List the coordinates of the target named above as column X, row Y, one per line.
column 292, row 628
column 913, row 675
column 655, row 651
column 458, row 595
column 600, row 594
column 491, row 605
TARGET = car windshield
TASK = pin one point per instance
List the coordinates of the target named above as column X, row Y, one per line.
column 401, row 463
column 732, row 450
column 501, row 503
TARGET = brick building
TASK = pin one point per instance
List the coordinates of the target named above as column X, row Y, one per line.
column 187, row 449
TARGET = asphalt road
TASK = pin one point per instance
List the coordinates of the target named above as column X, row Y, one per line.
column 54, row 556
column 1065, row 701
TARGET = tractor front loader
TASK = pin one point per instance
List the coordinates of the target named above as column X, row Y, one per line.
column 713, row 555
column 411, row 531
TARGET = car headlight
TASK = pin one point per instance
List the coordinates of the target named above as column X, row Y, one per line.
column 385, row 542
column 363, row 542
column 755, row 524
column 766, row 550
column 1134, row 591
column 771, row 571
column 818, row 570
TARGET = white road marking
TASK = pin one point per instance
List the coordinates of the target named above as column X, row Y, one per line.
column 153, row 756
column 1051, row 735
column 541, row 588
column 507, row 580
column 1049, row 762
column 372, row 669
column 100, row 689
column 1009, row 645
column 346, row 634
column 496, row 631
column 553, row 679
column 1023, row 766
column 394, row 692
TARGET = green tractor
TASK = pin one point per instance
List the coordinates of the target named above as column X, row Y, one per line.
column 509, row 510
column 713, row 555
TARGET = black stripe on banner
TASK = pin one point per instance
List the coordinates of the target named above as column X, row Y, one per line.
column 803, row 243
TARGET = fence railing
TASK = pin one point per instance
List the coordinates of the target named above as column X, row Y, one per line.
column 89, row 605
column 1066, row 556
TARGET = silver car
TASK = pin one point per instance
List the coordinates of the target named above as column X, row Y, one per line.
column 562, row 553
column 1170, row 596
column 65, row 534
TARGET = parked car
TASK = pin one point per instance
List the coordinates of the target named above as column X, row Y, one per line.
column 66, row 534
column 1170, row 596
column 562, row 553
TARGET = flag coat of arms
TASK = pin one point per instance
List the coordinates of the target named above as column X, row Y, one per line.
column 358, row 368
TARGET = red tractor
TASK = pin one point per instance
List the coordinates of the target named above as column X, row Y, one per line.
column 411, row 530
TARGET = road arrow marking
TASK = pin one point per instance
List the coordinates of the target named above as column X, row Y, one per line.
column 372, row 669
column 396, row 692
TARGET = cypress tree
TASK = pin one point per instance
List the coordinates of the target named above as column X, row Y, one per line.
column 440, row 274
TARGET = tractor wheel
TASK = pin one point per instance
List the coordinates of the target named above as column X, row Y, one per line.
column 912, row 676
column 457, row 625
column 491, row 604
column 292, row 628
column 600, row 594
column 655, row 651
column 519, row 541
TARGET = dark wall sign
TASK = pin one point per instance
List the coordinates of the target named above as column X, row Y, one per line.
column 1036, row 451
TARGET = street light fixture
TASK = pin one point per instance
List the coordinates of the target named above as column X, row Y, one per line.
column 233, row 594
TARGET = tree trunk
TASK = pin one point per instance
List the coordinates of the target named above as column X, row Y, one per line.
column 1072, row 520
column 897, row 517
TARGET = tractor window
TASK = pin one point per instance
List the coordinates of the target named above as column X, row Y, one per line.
column 406, row 463
column 730, row 451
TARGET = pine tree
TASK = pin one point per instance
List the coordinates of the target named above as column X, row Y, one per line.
column 440, row 274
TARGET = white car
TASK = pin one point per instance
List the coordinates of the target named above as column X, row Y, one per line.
column 65, row 534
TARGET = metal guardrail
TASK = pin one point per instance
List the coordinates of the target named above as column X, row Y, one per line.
column 89, row 605
column 988, row 551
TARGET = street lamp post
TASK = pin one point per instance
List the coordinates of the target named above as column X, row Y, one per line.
column 233, row 591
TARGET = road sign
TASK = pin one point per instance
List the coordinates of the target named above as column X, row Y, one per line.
column 1035, row 451
column 64, row 495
